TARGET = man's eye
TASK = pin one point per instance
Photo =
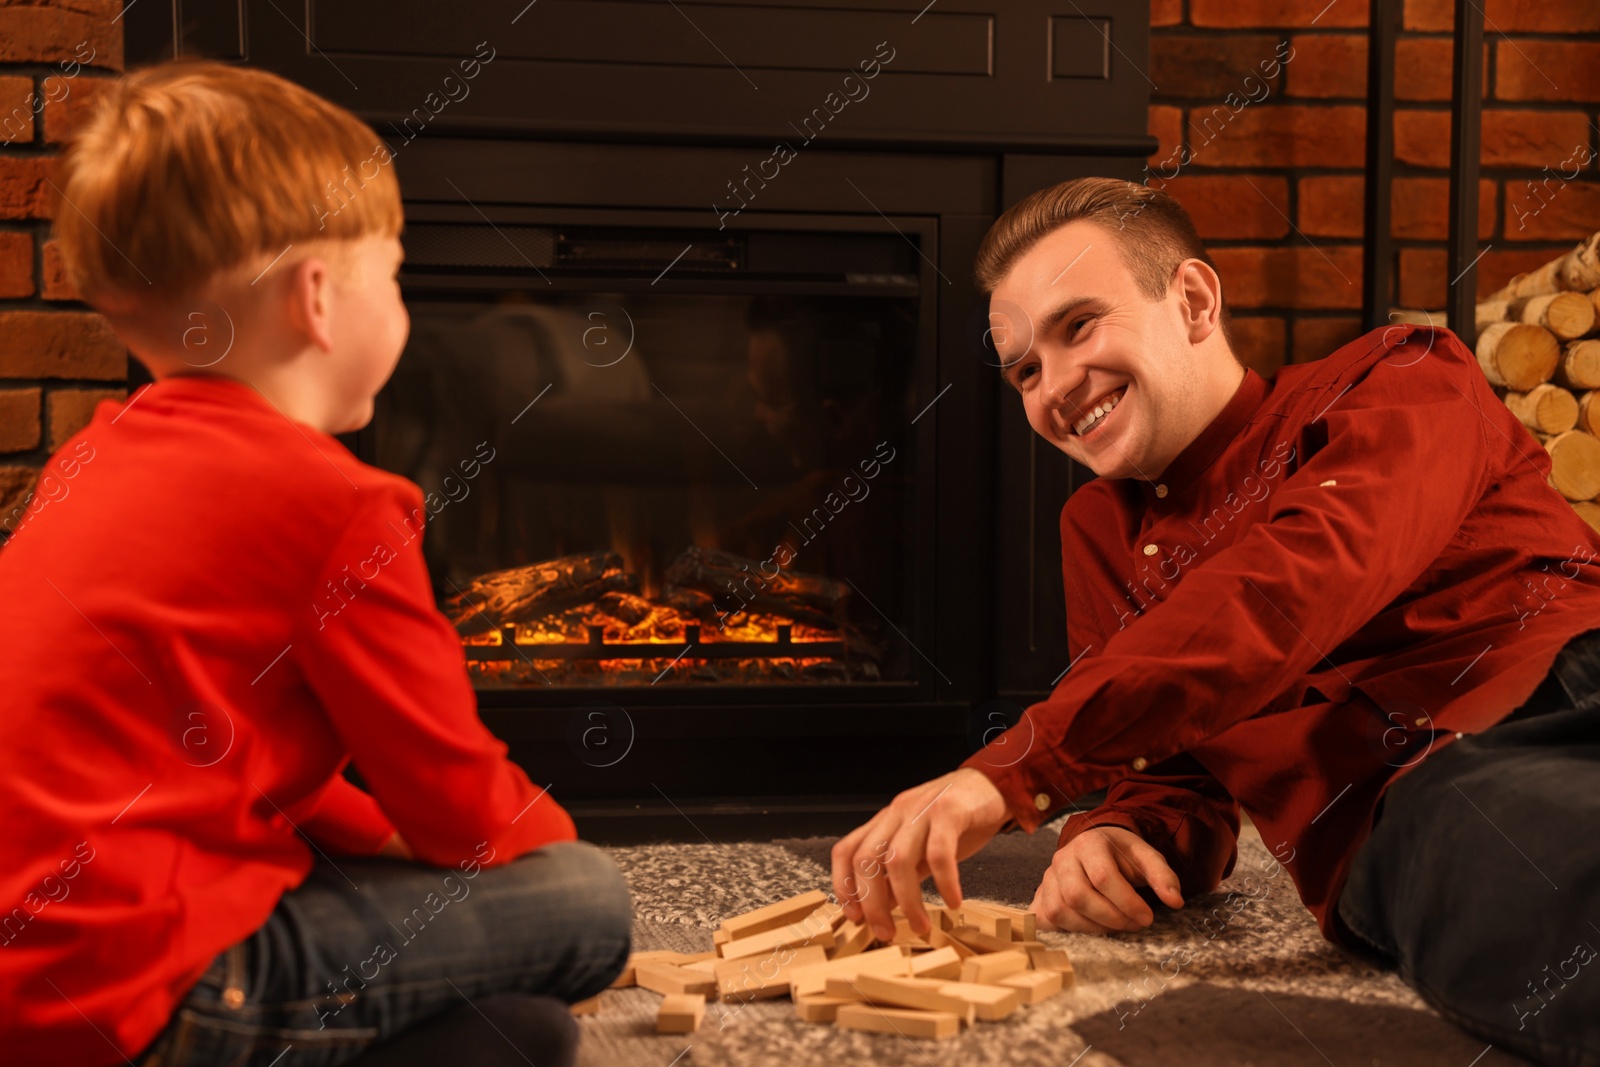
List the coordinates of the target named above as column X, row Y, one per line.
column 1077, row 327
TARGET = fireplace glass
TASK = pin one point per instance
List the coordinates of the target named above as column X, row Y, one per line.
column 633, row 485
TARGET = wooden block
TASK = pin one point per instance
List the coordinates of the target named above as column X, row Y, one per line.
column 680, row 1013
column 1035, row 985
column 753, row 978
column 821, row 1008
column 912, row 993
column 808, row 981
column 990, row 920
column 1024, row 924
column 990, row 1001
column 773, row 916
column 586, row 1007
column 905, row 1022
column 850, row 939
column 940, row 963
column 843, row 988
column 829, row 913
column 990, row 967
column 667, row 979
column 720, row 935
column 942, row 939
column 979, row 941
column 1052, row 959
column 702, row 966
column 904, row 935
column 794, row 935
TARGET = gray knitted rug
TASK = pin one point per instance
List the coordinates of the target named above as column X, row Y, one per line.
column 1266, row 990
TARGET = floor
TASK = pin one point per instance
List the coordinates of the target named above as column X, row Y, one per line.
column 1264, row 989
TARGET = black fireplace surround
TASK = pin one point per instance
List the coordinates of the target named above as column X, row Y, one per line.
column 697, row 368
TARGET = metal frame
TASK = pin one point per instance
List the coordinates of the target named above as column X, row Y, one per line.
column 1466, row 107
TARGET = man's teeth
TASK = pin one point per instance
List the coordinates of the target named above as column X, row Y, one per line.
column 1101, row 411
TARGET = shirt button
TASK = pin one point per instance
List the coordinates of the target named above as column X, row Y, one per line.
column 1331, row 481
column 1422, row 722
column 1161, row 490
column 1151, row 550
column 1042, row 801
column 1140, row 763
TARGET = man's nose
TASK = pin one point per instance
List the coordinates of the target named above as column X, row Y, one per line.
column 1058, row 378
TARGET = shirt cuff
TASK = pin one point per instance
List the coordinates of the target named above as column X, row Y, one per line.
column 348, row 821
column 1028, row 798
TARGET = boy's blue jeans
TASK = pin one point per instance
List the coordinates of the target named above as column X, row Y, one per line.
column 365, row 949
column 1481, row 881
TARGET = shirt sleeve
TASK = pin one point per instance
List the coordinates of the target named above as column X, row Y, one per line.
column 388, row 669
column 1395, row 460
column 1182, row 812
column 347, row 821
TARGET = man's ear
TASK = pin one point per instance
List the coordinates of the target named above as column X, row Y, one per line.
column 1199, row 299
column 307, row 296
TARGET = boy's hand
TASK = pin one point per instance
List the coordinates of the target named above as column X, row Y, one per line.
column 396, row 848
column 1089, row 887
column 925, row 830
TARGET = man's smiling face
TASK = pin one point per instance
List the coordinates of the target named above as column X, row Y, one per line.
column 1107, row 375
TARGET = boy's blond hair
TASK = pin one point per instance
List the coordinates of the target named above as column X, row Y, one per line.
column 189, row 168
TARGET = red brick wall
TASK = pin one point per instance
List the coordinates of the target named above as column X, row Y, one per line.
column 57, row 358
column 1273, row 176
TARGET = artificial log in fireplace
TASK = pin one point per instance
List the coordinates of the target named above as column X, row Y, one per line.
column 581, row 620
column 724, row 499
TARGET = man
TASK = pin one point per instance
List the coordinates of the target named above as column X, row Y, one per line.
column 1346, row 599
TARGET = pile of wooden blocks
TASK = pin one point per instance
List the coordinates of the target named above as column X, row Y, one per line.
column 978, row 962
column 1539, row 345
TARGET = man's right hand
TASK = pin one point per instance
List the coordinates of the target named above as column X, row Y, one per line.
column 1089, row 888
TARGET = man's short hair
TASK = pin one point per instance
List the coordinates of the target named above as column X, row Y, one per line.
column 1153, row 232
column 188, row 168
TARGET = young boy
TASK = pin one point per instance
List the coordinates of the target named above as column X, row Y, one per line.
column 212, row 608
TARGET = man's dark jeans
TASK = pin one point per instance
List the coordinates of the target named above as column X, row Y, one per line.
column 365, row 949
column 1481, row 881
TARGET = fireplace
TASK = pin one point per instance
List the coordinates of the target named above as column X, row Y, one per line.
column 723, row 495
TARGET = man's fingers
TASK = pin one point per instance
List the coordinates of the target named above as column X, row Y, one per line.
column 905, row 868
column 1053, row 911
column 844, row 883
column 944, row 841
column 1084, row 889
column 1151, row 867
column 872, row 883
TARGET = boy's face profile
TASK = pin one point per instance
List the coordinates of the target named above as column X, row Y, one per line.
column 366, row 327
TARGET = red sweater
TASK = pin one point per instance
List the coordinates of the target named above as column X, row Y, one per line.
column 209, row 611
column 1352, row 565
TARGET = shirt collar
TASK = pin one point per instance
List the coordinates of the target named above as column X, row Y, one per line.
column 1203, row 451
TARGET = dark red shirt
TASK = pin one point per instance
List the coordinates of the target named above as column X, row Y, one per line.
column 1350, row 567
column 209, row 611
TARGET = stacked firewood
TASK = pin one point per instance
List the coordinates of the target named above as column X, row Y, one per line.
column 1539, row 346
column 978, row 962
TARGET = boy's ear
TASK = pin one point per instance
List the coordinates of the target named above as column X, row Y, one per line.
column 308, row 305
column 1199, row 299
